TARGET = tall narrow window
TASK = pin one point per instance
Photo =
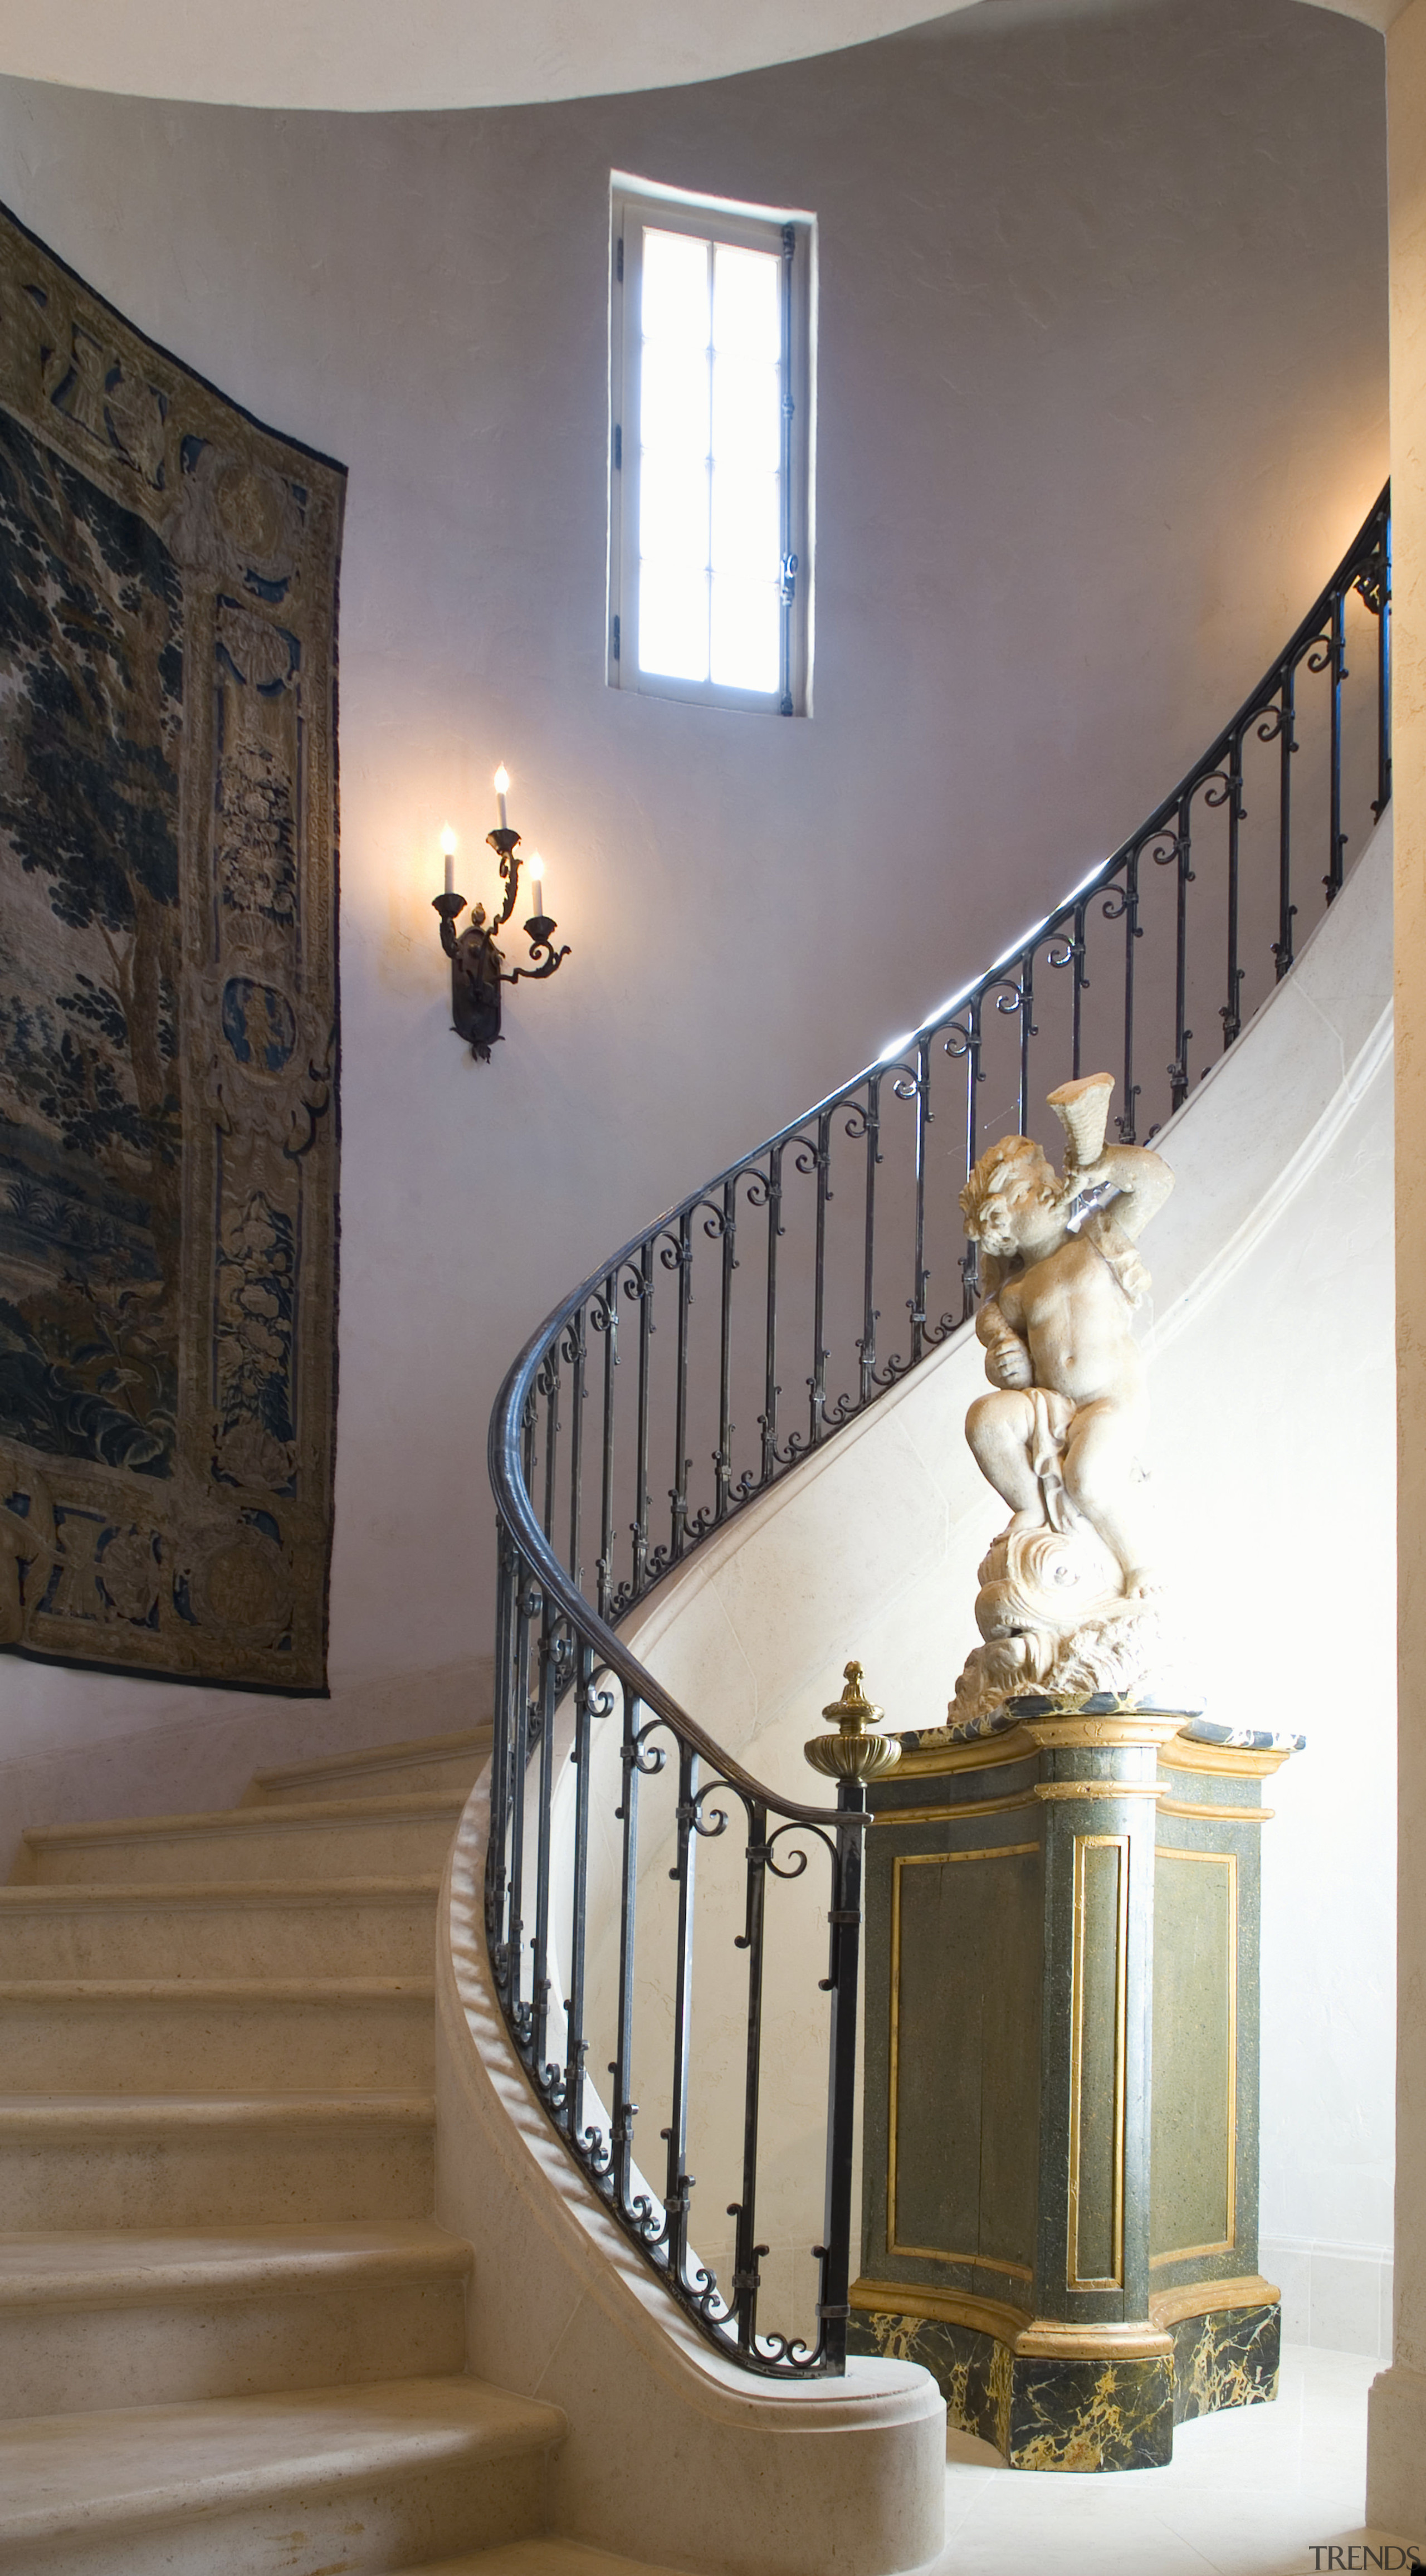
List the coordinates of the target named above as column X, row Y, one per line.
column 710, row 450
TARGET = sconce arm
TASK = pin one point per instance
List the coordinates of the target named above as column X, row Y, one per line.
column 506, row 843
column 554, row 959
column 449, row 906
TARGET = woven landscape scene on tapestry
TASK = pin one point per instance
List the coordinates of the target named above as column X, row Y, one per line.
column 168, row 1005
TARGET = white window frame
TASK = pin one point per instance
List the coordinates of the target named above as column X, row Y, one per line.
column 633, row 204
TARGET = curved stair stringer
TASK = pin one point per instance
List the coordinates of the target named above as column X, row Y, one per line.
column 870, row 1547
column 673, row 2454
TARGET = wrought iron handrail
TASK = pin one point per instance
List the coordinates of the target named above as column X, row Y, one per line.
column 559, row 1659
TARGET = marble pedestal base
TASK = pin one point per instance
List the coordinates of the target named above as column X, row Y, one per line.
column 1110, row 2409
column 1060, row 2144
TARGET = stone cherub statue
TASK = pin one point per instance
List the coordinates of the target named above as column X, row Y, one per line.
column 1067, row 1601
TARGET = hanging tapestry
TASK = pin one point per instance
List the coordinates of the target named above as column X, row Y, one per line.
column 168, row 1000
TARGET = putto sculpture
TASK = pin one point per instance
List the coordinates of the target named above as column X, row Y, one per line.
column 1068, row 1604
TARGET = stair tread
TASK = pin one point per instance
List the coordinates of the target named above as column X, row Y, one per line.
column 65, row 2473
column 57, row 1896
column 410, row 1804
column 217, row 1990
column 120, row 2267
column 37, row 2114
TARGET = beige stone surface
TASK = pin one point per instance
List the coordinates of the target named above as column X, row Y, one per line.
column 168, row 2162
column 123, row 2318
column 318, row 1838
column 289, row 2481
column 211, row 1928
column 192, row 2035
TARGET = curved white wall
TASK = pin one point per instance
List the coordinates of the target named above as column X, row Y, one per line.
column 1271, row 1347
column 1101, row 397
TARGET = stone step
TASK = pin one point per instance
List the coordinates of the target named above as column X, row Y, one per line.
column 112, row 2318
column 213, row 1928
column 356, row 2479
column 218, row 2035
column 450, row 1762
column 323, row 1838
column 164, row 2161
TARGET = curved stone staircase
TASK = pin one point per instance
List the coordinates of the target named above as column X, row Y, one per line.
column 231, row 2339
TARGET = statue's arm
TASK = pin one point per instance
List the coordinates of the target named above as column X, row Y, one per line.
column 1139, row 1180
column 1007, row 1354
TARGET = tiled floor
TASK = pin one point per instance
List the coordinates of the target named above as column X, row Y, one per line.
column 1248, row 2494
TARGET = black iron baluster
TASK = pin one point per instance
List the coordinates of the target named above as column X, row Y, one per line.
column 576, row 1354
column 678, row 2184
column 515, row 1930
column 866, row 1348
column 496, row 1868
column 1025, row 983
column 1287, row 745
column 609, row 1310
column 746, row 2251
column 1123, row 905
column 845, row 1918
column 624, row 2110
column 771, row 1389
column 1337, row 673
column 962, row 1042
column 723, row 1463
column 1183, row 879
column 1079, row 985
column 1231, row 1013
column 576, row 2045
column 1382, row 585
column 917, row 1300
column 642, row 1289
column 678, row 1496
column 548, row 1382
column 817, row 1382
column 540, row 1954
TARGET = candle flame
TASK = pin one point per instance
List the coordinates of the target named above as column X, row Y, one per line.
column 502, row 780
column 449, row 843
column 537, row 867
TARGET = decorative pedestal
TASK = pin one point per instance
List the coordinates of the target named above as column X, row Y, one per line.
column 1061, row 2113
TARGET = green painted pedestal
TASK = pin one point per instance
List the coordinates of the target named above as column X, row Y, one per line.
column 1061, row 2124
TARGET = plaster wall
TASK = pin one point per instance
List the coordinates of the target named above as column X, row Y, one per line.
column 1101, row 397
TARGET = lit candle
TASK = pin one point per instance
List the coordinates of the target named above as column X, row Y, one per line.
column 448, row 845
column 537, row 881
column 502, row 790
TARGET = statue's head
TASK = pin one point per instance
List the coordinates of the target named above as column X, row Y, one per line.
column 1011, row 1191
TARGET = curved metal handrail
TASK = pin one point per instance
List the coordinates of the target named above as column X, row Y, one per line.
column 558, row 1650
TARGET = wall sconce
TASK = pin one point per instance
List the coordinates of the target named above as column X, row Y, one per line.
column 477, row 966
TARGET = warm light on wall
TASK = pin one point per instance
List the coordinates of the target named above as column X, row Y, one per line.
column 477, row 966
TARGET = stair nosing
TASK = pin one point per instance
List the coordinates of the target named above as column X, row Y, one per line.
column 158, row 1892
column 214, row 1990
column 26, row 2115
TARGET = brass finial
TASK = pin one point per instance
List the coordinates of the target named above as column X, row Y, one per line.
column 854, row 1752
